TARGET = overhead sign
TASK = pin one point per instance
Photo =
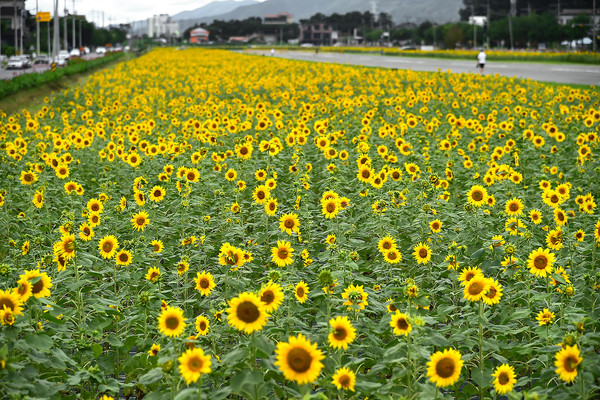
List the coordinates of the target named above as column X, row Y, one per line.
column 43, row 17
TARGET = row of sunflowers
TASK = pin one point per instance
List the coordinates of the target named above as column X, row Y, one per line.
column 205, row 224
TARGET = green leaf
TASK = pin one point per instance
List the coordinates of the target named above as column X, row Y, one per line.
column 97, row 349
column 40, row 341
column 187, row 393
column 221, row 393
column 114, row 341
column 152, row 376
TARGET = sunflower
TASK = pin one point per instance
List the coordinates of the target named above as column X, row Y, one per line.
column 365, row 173
column 566, row 362
column 342, row 333
column 271, row 206
column 153, row 274
column 41, row 287
column 25, row 248
column 344, row 379
column 66, row 247
column 514, row 207
column 597, row 231
column 171, row 322
column 444, row 367
column 108, row 246
column 93, row 219
column 477, row 195
column 247, row 313
column 330, row 208
column 579, row 235
column 356, row 297
column 182, row 266
column 157, row 194
column 330, row 240
column 282, row 255
column 140, row 220
column 123, row 257
column 95, row 206
column 476, row 288
column 560, row 217
column 386, row 243
column 435, row 226
column 301, row 292
column 504, row 379
column 157, row 246
column 299, row 360
column 540, row 262
column 205, row 283
column 38, row 198
column 422, row 253
column 86, row 233
column 271, row 296
column 545, row 317
column 202, row 325
column 494, row 293
column 401, row 324
column 193, row 363
column 24, row 290
column 154, row 349
column 261, row 194
column 28, row 178
column 11, row 300
column 289, row 223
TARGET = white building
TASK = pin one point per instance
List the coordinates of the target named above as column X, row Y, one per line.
column 162, row 25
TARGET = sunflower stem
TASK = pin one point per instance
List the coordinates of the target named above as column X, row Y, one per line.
column 409, row 362
column 480, row 337
column 200, row 388
column 582, row 385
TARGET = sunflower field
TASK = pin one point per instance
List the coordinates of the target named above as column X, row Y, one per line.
column 206, row 224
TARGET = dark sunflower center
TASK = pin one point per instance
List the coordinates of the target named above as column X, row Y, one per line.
column 204, row 284
column 27, row 177
column 107, row 247
column 392, row 255
column 300, row 292
column 299, row 360
column 123, row 257
column 140, row 221
column 70, row 246
column 402, row 324
column 267, row 297
column 195, row 364
column 157, row 193
column 344, row 381
column 203, row 325
column 260, row 195
column 156, row 247
column 248, row 312
column 95, row 207
column 365, row 174
column 475, row 288
column 243, row 151
column 492, row 292
column 387, row 245
column 340, row 333
column 445, row 367
column 503, row 379
column 570, row 363
column 392, row 307
column 172, row 322
column 330, row 207
column 282, row 254
column 477, row 195
column 554, row 198
column 289, row 223
column 423, row 253
column 514, row 207
column 540, row 262
column 8, row 303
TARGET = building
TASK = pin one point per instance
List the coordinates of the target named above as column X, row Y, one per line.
column 162, row 25
column 199, row 35
column 318, row 34
column 567, row 14
column 12, row 15
column 278, row 19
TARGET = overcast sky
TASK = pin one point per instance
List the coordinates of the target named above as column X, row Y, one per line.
column 117, row 11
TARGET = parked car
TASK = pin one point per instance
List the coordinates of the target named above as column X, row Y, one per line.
column 17, row 62
column 42, row 60
column 64, row 54
column 60, row 61
column 86, row 50
column 75, row 53
column 100, row 50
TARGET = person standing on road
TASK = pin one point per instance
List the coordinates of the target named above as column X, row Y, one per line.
column 481, row 61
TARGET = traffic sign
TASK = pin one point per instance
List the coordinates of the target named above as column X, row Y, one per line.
column 43, row 17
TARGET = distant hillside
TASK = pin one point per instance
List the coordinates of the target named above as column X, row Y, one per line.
column 213, row 8
column 439, row 11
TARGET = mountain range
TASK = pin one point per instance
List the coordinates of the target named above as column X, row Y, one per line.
column 402, row 11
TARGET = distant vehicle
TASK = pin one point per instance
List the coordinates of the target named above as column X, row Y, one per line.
column 86, row 50
column 408, row 48
column 306, row 45
column 64, row 54
column 60, row 61
column 17, row 62
column 100, row 50
column 42, row 60
column 75, row 53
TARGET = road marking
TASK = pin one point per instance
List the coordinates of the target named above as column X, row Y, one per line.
column 576, row 70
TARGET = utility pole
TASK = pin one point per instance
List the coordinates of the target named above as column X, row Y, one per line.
column 594, row 34
column 512, row 13
column 56, row 37
column 66, row 39
column 74, row 13
column 0, row 32
column 80, row 37
column 21, row 36
column 37, row 29
column 487, row 38
column 474, row 23
column 15, row 29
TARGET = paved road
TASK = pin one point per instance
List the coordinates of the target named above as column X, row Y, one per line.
column 561, row 73
column 6, row 74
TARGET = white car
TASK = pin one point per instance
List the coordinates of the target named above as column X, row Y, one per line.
column 60, row 61
column 100, row 50
column 16, row 62
column 75, row 53
column 64, row 54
